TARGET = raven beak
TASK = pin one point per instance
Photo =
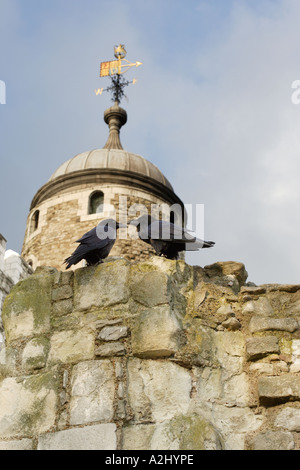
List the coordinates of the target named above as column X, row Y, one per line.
column 132, row 222
column 122, row 226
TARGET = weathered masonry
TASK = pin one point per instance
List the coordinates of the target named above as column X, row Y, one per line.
column 153, row 354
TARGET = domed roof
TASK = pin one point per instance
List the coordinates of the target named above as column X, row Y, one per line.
column 110, row 165
column 111, row 159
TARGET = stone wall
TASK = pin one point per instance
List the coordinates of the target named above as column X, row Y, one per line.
column 12, row 269
column 150, row 355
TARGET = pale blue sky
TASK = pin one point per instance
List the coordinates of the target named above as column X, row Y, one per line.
column 212, row 109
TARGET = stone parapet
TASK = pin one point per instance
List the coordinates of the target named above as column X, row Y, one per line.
column 154, row 355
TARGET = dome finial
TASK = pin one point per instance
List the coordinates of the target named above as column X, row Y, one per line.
column 115, row 117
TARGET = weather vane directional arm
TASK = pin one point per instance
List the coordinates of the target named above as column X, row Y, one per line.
column 114, row 70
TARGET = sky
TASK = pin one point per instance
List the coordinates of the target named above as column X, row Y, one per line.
column 213, row 108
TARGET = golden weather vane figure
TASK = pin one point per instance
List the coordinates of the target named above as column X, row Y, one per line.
column 114, row 69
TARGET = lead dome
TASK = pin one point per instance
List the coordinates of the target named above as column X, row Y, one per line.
column 112, row 159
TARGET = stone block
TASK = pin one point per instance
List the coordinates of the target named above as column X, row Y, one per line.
column 262, row 368
column 27, row 309
column 254, row 290
column 62, row 307
column 229, row 343
column 227, row 268
column 295, row 347
column 157, row 390
column 225, row 310
column 273, row 440
column 101, row 286
column 259, row 323
column 261, row 347
column 274, row 390
column 138, row 437
column 236, row 391
column 28, row 404
column 261, row 306
column 164, row 265
column 62, row 292
column 234, row 423
column 289, row 418
column 113, row 333
column 229, row 352
column 280, row 366
column 22, row 444
column 71, row 346
column 291, row 348
column 231, row 324
column 110, row 349
column 92, row 392
column 291, row 288
column 35, row 354
column 199, row 345
column 293, row 308
column 186, row 432
column 101, row 323
column 183, row 432
column 66, row 277
column 295, row 367
column 149, row 288
column 209, row 386
column 155, row 333
column 119, row 369
column 96, row 437
column 8, row 362
column 213, row 385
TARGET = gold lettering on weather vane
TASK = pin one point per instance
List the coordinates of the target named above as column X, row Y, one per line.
column 115, row 69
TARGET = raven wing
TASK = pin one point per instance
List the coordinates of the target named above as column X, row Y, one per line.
column 79, row 254
column 88, row 236
column 162, row 230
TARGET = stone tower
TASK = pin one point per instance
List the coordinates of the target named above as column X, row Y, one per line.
column 92, row 186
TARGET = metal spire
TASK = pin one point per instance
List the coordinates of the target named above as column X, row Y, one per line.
column 116, row 116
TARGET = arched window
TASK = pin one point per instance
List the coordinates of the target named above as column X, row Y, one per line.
column 34, row 221
column 96, row 202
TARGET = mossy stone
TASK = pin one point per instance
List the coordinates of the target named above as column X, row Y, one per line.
column 101, row 286
column 193, row 432
column 27, row 309
column 29, row 404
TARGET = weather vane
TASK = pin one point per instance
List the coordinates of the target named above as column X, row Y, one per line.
column 115, row 69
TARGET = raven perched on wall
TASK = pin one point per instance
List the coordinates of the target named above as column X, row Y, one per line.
column 166, row 238
column 96, row 244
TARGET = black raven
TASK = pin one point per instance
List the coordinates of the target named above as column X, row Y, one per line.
column 96, row 244
column 166, row 238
